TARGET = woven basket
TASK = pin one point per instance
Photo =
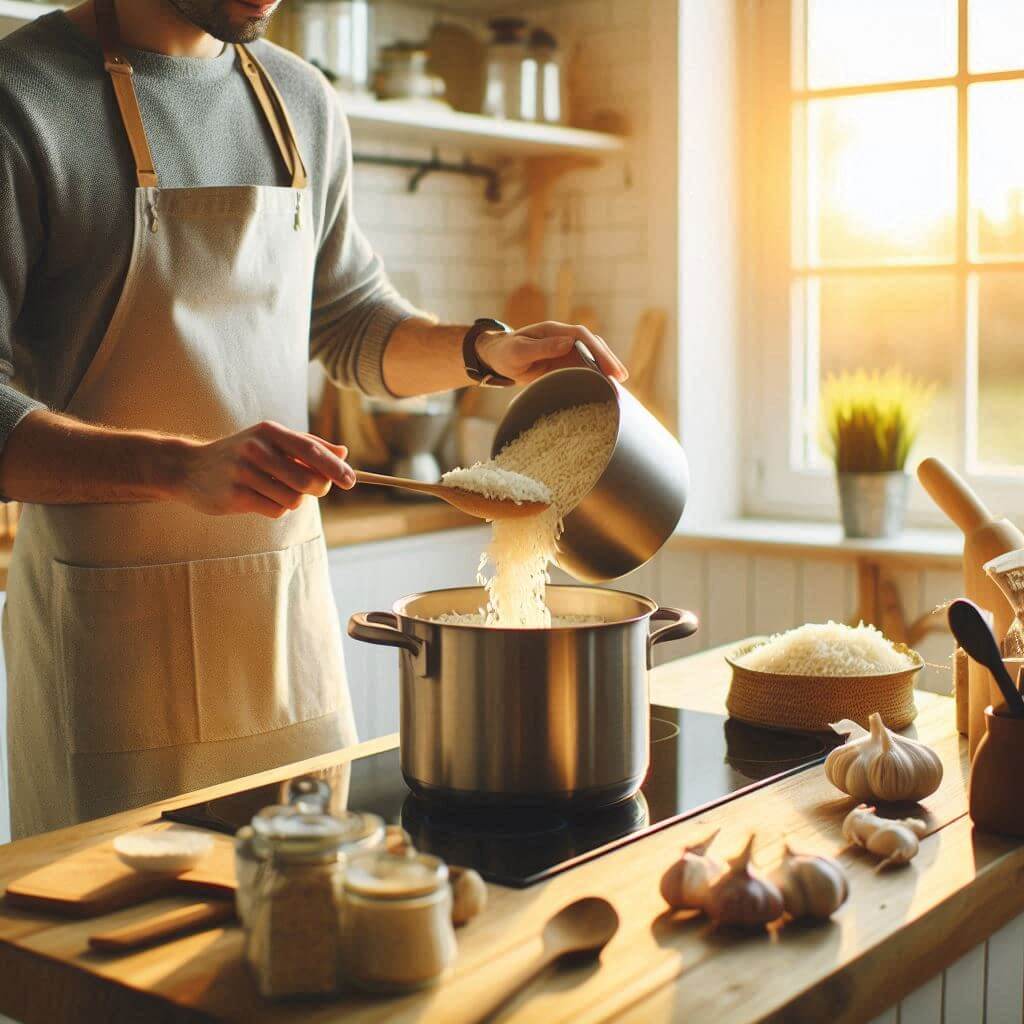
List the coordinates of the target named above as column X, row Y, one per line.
column 810, row 703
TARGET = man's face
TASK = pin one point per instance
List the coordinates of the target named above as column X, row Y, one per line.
column 233, row 21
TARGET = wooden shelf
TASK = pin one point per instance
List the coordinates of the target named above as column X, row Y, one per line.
column 24, row 10
column 431, row 125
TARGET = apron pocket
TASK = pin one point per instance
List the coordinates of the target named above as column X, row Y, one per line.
column 126, row 657
column 267, row 641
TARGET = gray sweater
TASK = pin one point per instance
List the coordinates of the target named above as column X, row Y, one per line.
column 66, row 200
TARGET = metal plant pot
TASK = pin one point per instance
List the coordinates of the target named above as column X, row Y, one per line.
column 519, row 716
column 873, row 504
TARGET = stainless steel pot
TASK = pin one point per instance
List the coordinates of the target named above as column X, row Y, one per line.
column 525, row 716
column 638, row 500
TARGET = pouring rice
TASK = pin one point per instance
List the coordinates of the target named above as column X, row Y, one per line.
column 557, row 460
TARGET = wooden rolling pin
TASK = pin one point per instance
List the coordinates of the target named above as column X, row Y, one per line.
column 984, row 538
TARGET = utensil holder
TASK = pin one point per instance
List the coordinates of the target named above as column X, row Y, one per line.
column 993, row 799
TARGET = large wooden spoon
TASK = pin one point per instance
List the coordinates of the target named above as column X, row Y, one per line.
column 578, row 932
column 478, row 505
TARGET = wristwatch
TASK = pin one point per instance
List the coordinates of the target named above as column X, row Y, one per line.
column 476, row 369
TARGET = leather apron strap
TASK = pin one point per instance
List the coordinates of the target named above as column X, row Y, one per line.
column 120, row 70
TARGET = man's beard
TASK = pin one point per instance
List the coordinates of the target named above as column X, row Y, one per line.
column 211, row 16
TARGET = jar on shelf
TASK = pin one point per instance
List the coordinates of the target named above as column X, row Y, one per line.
column 294, row 936
column 402, row 74
column 335, row 36
column 547, row 63
column 507, row 71
column 396, row 921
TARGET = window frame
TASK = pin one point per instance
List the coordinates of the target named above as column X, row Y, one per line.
column 775, row 483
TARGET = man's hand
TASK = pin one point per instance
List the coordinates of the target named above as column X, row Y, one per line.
column 267, row 469
column 532, row 351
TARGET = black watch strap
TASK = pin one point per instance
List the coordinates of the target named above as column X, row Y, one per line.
column 476, row 369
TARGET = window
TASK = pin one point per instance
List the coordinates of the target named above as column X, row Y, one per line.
column 886, row 227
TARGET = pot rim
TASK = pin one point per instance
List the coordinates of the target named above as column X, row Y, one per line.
column 398, row 608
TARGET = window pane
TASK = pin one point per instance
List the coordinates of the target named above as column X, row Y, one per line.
column 1001, row 370
column 996, row 173
column 875, row 322
column 858, row 42
column 995, row 35
column 881, row 178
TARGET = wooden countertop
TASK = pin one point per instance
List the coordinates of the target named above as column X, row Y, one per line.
column 357, row 519
column 899, row 928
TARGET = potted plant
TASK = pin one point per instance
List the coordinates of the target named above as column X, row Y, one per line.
column 871, row 420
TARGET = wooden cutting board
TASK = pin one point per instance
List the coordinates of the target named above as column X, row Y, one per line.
column 93, row 882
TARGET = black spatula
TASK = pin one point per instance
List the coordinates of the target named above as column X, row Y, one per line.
column 975, row 636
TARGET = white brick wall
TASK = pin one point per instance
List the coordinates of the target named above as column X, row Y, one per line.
column 467, row 254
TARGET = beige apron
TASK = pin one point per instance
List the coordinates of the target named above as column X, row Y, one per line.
column 152, row 650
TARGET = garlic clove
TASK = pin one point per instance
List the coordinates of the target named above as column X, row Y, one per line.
column 895, row 840
column 469, row 894
column 741, row 898
column 684, row 886
column 811, row 886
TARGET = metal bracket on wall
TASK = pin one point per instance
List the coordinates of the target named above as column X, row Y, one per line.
column 435, row 165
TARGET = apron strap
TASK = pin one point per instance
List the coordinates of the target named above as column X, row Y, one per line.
column 276, row 113
column 121, row 71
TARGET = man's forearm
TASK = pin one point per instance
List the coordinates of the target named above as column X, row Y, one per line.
column 423, row 357
column 56, row 460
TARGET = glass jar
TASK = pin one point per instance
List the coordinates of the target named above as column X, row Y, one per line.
column 544, row 53
column 335, row 36
column 294, row 934
column 505, row 71
column 396, row 921
column 402, row 74
column 252, row 847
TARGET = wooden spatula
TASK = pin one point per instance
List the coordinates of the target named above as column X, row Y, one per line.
column 465, row 501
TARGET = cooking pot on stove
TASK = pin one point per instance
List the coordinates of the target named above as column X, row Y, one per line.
column 525, row 717
column 637, row 501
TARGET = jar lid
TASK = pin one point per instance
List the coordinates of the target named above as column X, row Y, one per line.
column 394, row 876
column 309, row 794
column 363, row 831
column 300, row 837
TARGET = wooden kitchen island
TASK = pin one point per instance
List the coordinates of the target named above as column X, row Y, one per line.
column 897, row 931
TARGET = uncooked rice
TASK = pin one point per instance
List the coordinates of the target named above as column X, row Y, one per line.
column 564, row 453
column 479, row 618
column 827, row 649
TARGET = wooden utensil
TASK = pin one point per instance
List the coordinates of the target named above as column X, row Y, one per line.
column 643, row 359
column 164, row 926
column 93, row 882
column 577, row 932
column 975, row 636
column 465, row 501
column 984, row 538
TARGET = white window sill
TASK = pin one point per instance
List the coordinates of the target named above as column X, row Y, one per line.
column 935, row 547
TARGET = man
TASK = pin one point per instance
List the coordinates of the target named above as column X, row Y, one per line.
column 178, row 238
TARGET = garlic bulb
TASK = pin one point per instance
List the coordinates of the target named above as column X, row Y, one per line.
column 742, row 899
column 894, row 840
column 469, row 894
column 880, row 765
column 811, row 886
column 686, row 883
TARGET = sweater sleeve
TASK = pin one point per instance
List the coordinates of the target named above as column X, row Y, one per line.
column 21, row 228
column 355, row 307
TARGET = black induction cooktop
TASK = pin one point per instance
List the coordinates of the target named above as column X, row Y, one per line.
column 698, row 760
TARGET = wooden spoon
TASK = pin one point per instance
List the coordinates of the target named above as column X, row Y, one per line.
column 478, row 505
column 578, row 932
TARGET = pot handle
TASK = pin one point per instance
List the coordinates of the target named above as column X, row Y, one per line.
column 681, row 624
column 382, row 628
